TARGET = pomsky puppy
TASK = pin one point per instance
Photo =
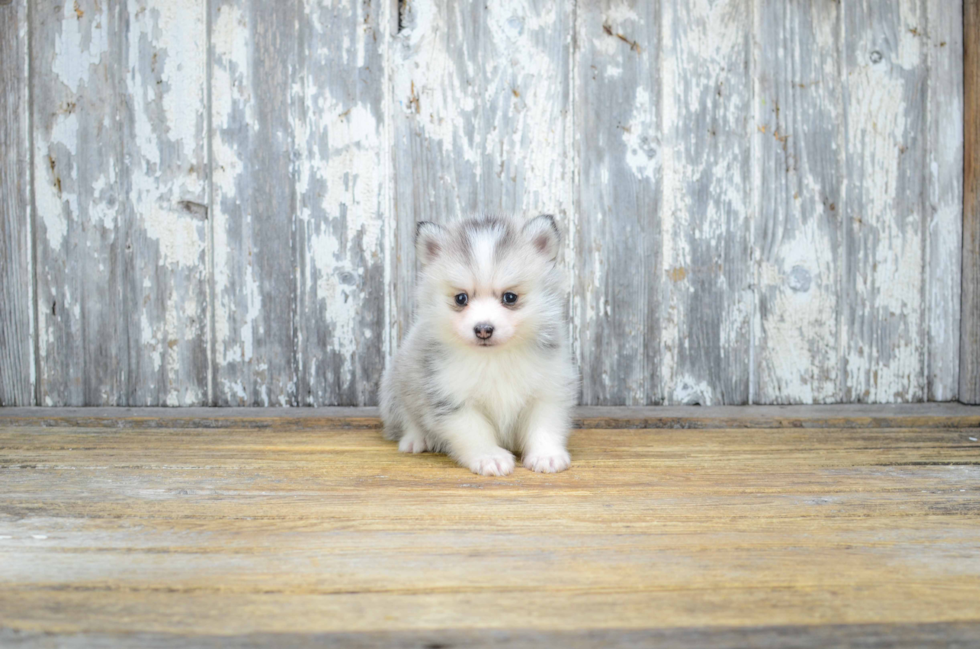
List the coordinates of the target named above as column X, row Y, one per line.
column 485, row 371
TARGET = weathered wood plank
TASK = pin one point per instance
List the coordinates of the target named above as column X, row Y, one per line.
column 16, row 264
column 797, row 158
column 82, row 327
column 918, row 415
column 970, row 312
column 883, row 263
column 165, row 177
column 480, row 99
column 254, row 58
column 943, row 42
column 617, row 278
column 119, row 181
column 706, row 310
column 299, row 249
column 324, row 531
column 341, row 225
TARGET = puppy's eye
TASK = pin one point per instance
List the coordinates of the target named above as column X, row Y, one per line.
column 461, row 299
column 510, row 298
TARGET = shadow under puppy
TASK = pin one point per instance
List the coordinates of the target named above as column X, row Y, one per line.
column 485, row 371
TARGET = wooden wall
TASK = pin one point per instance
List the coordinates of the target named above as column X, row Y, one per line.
column 213, row 201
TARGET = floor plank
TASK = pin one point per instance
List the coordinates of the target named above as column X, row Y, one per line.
column 287, row 535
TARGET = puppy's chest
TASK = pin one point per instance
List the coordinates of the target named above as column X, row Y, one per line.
column 502, row 386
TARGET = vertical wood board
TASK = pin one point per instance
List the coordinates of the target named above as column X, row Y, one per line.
column 706, row 309
column 164, row 174
column 617, row 261
column 943, row 41
column 83, row 347
column 254, row 202
column 797, row 160
column 16, row 277
column 341, row 228
column 883, row 258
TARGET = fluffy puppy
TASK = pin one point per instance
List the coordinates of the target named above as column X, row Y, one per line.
column 485, row 371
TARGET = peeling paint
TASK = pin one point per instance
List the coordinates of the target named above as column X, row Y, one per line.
column 79, row 47
column 705, row 217
column 884, row 358
column 760, row 200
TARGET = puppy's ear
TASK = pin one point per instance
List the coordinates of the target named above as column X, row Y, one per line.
column 543, row 233
column 430, row 241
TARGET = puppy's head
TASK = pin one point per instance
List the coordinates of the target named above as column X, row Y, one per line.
column 491, row 282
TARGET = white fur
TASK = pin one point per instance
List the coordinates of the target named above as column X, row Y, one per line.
column 482, row 401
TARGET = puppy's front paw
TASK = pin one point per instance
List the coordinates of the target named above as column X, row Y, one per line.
column 551, row 461
column 499, row 462
column 412, row 443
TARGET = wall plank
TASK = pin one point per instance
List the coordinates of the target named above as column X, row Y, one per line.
column 617, row 241
column 16, row 270
column 883, row 262
column 797, row 157
column 120, row 189
column 82, row 330
column 254, row 201
column 480, row 97
column 706, row 218
column 970, row 324
column 165, row 175
column 341, row 226
column 298, row 135
column 943, row 41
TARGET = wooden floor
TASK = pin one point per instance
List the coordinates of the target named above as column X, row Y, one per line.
column 675, row 527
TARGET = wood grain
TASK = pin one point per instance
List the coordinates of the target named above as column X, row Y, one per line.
column 885, row 95
column 706, row 311
column 16, row 263
column 970, row 324
column 944, row 204
column 183, row 534
column 299, row 248
column 617, row 280
column 119, row 184
column 254, row 200
column 342, row 219
column 80, row 240
column 797, row 153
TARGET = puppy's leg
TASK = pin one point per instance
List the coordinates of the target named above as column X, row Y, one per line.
column 412, row 439
column 471, row 441
column 544, row 438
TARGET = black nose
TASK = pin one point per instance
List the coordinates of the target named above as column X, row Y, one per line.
column 483, row 330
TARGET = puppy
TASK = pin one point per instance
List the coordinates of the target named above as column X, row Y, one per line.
column 485, row 371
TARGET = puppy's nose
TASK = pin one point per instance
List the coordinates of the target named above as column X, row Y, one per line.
column 483, row 330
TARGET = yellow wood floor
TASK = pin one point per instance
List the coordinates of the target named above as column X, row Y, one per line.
column 815, row 530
